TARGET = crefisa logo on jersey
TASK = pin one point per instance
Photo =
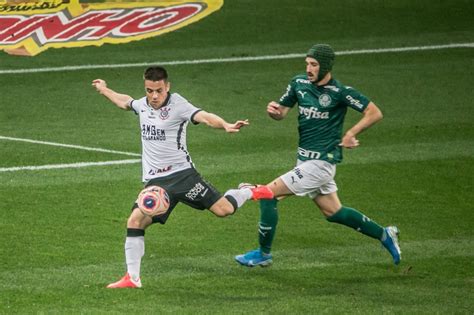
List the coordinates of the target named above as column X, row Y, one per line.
column 33, row 26
column 325, row 100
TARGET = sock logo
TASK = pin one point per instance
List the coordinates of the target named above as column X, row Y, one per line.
column 263, row 230
column 30, row 28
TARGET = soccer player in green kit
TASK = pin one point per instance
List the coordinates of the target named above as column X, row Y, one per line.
column 322, row 105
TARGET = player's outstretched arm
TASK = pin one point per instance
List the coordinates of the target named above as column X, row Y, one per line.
column 214, row 121
column 276, row 111
column 120, row 100
column 372, row 114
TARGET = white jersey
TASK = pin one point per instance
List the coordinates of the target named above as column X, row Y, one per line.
column 163, row 132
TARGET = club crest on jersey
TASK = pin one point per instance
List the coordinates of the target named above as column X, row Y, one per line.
column 164, row 113
column 29, row 27
column 325, row 100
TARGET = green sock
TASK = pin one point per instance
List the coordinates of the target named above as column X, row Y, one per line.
column 356, row 220
column 267, row 224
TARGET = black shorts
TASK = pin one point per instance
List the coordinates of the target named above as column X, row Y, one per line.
column 185, row 186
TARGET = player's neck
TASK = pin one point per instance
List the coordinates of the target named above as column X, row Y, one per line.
column 325, row 80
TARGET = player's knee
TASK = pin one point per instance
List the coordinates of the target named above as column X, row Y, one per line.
column 223, row 210
column 137, row 220
column 328, row 211
column 133, row 223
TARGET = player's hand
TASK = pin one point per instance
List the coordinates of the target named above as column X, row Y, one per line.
column 273, row 108
column 235, row 127
column 99, row 85
column 349, row 141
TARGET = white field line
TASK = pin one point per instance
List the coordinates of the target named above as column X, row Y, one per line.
column 71, row 146
column 178, row 62
column 233, row 59
column 72, row 165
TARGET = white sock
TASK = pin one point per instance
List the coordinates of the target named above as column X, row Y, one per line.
column 134, row 251
column 240, row 195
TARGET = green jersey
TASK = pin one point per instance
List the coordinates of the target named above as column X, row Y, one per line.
column 321, row 116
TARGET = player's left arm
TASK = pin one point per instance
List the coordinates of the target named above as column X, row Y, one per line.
column 214, row 121
column 371, row 115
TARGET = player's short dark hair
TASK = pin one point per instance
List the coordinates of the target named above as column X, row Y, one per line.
column 155, row 73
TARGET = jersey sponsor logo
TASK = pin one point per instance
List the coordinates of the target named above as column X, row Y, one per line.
column 151, row 132
column 308, row 154
column 195, row 191
column 354, row 102
column 332, row 88
column 303, row 81
column 31, row 27
column 287, row 93
column 164, row 113
column 159, row 170
column 325, row 100
column 313, row 113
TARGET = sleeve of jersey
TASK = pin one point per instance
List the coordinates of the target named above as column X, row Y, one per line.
column 134, row 105
column 289, row 99
column 188, row 111
column 354, row 99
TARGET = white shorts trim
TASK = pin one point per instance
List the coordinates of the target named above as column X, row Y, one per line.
column 311, row 178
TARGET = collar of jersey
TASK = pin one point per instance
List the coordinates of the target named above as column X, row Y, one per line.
column 166, row 102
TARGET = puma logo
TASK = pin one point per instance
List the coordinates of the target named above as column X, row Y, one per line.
column 302, row 93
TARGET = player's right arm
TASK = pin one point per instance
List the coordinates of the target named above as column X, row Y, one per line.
column 120, row 100
column 277, row 111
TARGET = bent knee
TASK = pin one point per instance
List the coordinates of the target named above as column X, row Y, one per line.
column 328, row 211
column 137, row 220
column 223, row 211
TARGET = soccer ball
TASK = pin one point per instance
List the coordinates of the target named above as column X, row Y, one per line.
column 153, row 200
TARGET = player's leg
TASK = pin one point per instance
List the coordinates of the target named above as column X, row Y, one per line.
column 266, row 228
column 134, row 250
column 331, row 207
column 223, row 207
column 335, row 212
column 236, row 198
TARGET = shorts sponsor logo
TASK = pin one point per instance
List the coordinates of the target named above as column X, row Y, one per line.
column 298, row 173
column 29, row 28
column 196, row 190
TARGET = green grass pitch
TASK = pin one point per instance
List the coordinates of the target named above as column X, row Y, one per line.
column 62, row 230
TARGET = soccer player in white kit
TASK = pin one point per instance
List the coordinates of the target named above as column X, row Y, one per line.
column 166, row 162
